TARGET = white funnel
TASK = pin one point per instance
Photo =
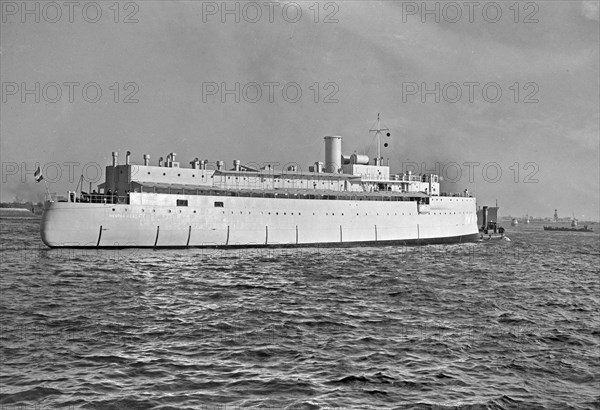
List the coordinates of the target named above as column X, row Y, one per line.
column 333, row 153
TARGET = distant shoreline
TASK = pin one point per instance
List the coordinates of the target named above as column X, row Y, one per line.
column 521, row 221
column 7, row 213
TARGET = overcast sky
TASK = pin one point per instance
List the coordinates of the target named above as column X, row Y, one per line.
column 371, row 57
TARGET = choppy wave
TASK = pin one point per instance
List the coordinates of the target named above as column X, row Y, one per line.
column 494, row 325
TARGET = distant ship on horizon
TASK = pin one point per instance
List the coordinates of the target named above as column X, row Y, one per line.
column 573, row 227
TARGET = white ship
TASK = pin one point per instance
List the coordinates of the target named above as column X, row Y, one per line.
column 344, row 201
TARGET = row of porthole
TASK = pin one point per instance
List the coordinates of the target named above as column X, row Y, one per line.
column 262, row 213
column 193, row 175
column 154, row 210
column 290, row 181
column 237, row 178
column 299, row 213
column 440, row 199
column 333, row 213
column 164, row 174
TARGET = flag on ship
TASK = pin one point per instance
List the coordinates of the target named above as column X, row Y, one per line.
column 38, row 174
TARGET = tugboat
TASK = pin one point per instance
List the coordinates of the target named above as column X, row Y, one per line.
column 487, row 220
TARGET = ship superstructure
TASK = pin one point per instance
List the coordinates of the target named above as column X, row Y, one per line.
column 344, row 200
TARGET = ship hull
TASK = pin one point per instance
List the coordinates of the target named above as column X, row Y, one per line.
column 152, row 220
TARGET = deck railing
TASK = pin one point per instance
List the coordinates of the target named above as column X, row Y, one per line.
column 102, row 198
column 94, row 198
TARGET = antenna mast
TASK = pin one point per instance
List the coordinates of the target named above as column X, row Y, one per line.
column 378, row 135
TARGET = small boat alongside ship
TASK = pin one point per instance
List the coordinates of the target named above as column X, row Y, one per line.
column 487, row 221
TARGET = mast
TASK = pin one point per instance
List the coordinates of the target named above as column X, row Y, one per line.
column 378, row 135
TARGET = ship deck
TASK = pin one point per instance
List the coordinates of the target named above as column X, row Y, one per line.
column 280, row 193
column 323, row 194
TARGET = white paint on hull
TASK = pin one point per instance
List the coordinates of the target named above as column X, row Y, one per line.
column 154, row 220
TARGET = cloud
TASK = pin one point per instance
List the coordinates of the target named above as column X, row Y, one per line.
column 589, row 9
column 585, row 137
column 369, row 54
